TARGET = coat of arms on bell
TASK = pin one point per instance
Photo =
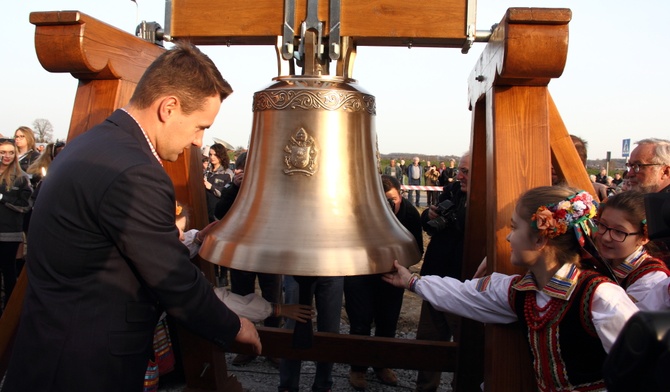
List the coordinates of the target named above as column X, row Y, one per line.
column 301, row 154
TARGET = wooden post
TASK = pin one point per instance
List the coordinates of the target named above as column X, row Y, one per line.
column 516, row 131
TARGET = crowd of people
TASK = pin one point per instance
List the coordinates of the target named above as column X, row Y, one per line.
column 109, row 250
column 420, row 173
column 22, row 169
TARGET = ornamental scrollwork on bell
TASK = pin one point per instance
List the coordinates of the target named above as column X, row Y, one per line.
column 301, row 154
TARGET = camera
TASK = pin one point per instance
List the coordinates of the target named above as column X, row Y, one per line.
column 447, row 216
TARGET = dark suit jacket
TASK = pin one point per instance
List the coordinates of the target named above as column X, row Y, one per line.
column 105, row 260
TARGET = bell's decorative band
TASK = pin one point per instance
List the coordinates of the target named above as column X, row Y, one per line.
column 311, row 100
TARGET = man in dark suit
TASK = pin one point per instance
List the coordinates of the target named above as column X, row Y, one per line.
column 105, row 256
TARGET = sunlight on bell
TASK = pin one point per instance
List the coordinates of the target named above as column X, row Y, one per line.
column 311, row 203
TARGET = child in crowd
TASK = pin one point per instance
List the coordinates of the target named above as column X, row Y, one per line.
column 571, row 316
column 621, row 239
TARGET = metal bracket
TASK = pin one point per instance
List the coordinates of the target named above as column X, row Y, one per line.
column 151, row 32
column 289, row 33
column 334, row 33
column 312, row 23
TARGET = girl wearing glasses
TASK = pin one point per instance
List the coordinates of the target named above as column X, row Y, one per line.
column 621, row 239
column 25, row 144
column 15, row 191
column 570, row 316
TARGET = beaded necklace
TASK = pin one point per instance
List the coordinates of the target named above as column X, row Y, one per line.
column 538, row 316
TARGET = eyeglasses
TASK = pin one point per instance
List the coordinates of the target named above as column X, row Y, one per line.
column 20, row 137
column 636, row 166
column 4, row 140
column 464, row 170
column 616, row 234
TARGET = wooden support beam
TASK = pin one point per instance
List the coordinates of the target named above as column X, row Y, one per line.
column 369, row 350
column 108, row 62
column 511, row 154
column 564, row 156
column 377, row 23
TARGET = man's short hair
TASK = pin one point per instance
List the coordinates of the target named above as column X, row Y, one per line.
column 661, row 150
column 185, row 72
column 390, row 182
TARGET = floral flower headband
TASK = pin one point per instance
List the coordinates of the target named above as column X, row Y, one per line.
column 555, row 219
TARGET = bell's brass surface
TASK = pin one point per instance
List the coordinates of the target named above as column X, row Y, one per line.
column 311, row 202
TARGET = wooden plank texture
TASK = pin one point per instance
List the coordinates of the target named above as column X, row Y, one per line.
column 380, row 23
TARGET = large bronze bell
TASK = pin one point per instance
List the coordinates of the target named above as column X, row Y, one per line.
column 312, row 202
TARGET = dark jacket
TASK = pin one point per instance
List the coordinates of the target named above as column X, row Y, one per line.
column 105, row 261
column 14, row 204
column 444, row 253
column 228, row 196
column 218, row 179
column 28, row 159
column 411, row 220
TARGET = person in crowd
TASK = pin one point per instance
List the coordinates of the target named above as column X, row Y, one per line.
column 393, row 170
column 25, row 144
column 427, row 167
column 105, row 256
column 581, row 146
column 448, row 174
column 601, row 177
column 205, row 163
column 217, row 175
column 244, row 282
column 403, row 167
column 36, row 171
column 649, row 172
column 444, row 257
column 648, row 168
column 571, row 316
column 327, row 294
column 431, row 179
column 15, row 191
column 27, row 150
column 617, row 180
column 40, row 167
column 414, row 174
column 368, row 300
column 621, row 240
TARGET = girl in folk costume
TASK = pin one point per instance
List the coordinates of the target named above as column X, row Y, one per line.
column 621, row 239
column 570, row 315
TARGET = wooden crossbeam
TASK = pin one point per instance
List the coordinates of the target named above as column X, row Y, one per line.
column 375, row 23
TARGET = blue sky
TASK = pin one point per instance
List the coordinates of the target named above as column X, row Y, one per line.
column 614, row 84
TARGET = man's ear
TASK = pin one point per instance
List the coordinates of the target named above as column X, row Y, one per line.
column 167, row 107
column 666, row 171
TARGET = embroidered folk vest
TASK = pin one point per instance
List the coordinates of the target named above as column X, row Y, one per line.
column 567, row 353
column 650, row 264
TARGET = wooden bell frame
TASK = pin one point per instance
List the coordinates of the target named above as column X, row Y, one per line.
column 517, row 135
